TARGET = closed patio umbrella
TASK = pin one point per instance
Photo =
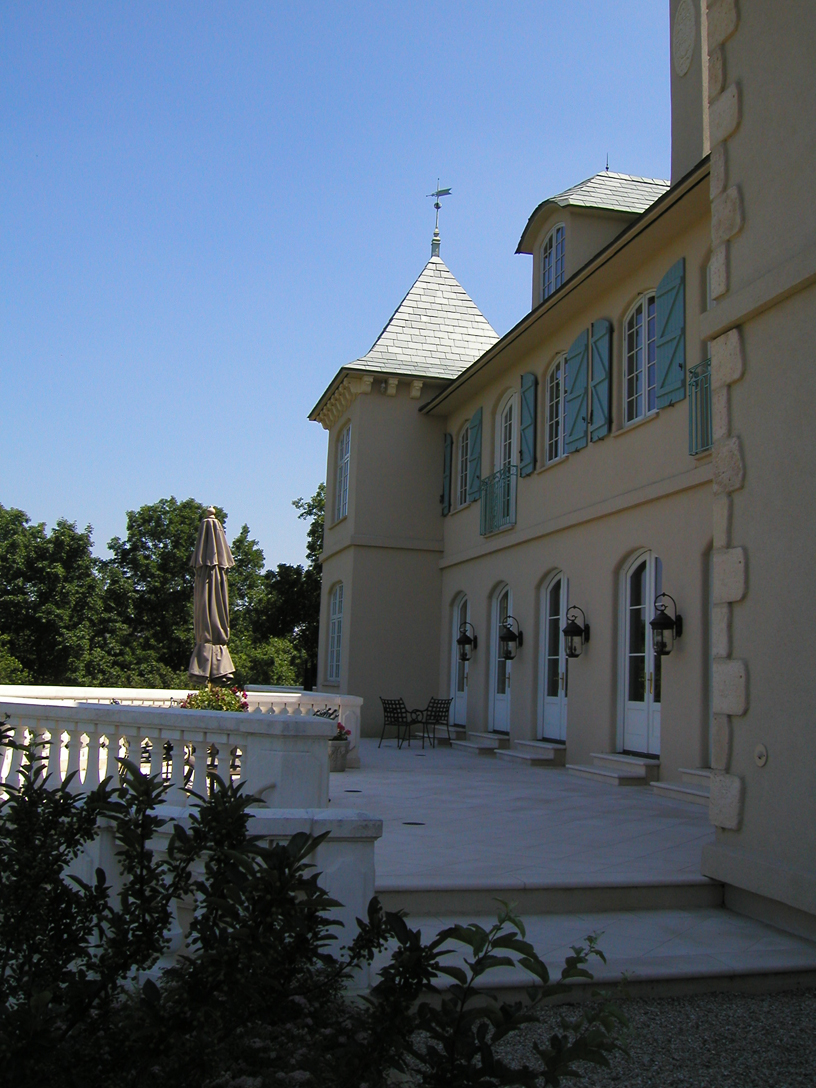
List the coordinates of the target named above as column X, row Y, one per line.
column 212, row 559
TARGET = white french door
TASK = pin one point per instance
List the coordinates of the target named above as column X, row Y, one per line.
column 459, row 668
column 500, row 718
column 554, row 662
column 642, row 671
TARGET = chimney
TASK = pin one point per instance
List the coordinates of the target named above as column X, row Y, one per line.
column 689, row 85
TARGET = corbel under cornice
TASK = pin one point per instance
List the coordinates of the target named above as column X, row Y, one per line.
column 345, row 394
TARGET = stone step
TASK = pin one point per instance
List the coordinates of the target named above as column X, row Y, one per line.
column 647, row 768
column 531, row 759
column 465, row 899
column 473, row 748
column 495, row 740
column 696, row 776
column 609, row 778
column 677, row 792
column 457, row 732
column 554, row 750
column 535, row 754
column 727, row 952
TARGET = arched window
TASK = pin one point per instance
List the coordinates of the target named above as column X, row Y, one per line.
column 506, row 453
column 639, row 355
column 556, row 408
column 343, row 457
column 552, row 261
column 462, row 473
column 335, row 631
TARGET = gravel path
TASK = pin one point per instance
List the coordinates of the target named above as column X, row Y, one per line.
column 708, row 1041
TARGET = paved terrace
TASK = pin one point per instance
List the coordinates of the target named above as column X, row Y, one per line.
column 577, row 857
column 484, row 823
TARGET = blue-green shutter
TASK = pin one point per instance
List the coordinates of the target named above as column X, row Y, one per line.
column 576, row 398
column 670, row 312
column 600, row 412
column 446, row 475
column 527, row 458
column 475, row 456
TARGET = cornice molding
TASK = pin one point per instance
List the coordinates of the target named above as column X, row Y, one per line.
column 346, row 393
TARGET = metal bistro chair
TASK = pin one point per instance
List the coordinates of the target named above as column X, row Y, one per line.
column 332, row 713
column 437, row 712
column 396, row 713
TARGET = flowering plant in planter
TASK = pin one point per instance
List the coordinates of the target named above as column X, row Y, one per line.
column 342, row 734
column 215, row 698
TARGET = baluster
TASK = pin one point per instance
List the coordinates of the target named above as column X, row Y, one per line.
column 201, row 757
column 127, row 747
column 74, row 750
column 176, row 795
column 154, row 746
column 52, row 767
column 91, row 780
column 13, row 757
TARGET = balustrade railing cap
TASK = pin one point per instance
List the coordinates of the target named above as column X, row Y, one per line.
column 188, row 721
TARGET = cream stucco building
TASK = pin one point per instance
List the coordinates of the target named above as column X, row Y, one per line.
column 645, row 430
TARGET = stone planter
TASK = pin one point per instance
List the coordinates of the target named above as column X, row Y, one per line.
column 338, row 754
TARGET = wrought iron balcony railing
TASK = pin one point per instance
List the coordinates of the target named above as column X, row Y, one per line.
column 700, row 408
column 499, row 500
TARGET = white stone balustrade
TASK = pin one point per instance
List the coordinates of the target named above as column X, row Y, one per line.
column 281, row 702
column 282, row 757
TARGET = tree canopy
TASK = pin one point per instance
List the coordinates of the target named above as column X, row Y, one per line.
column 67, row 617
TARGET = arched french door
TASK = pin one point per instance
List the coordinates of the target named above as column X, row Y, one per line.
column 554, row 665
column 459, row 668
column 501, row 669
column 643, row 581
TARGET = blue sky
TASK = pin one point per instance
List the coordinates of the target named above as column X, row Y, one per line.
column 206, row 209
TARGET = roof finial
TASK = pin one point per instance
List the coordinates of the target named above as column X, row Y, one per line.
column 607, row 162
column 436, row 240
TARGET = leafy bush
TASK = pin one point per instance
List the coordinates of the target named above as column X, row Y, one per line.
column 214, row 698
column 261, row 998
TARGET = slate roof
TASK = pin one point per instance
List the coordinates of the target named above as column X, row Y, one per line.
column 437, row 330
column 618, row 192
column 607, row 191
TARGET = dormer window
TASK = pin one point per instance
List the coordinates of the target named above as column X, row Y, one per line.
column 552, row 261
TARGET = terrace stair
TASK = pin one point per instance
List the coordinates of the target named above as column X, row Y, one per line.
column 457, row 733
column 482, row 744
column 617, row 769
column 535, row 753
column 695, row 786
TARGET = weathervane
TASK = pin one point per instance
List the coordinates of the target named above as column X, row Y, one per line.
column 437, row 194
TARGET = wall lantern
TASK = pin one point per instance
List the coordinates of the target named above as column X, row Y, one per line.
column 575, row 634
column 467, row 641
column 510, row 638
column 665, row 628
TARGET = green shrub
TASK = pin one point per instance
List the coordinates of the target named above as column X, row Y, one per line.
column 261, row 998
column 214, row 698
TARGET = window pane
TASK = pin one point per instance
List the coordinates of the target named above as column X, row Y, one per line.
column 637, row 634
column 554, row 408
column 552, row 677
column 637, row 680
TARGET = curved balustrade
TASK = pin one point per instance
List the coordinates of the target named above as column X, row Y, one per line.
column 282, row 703
column 281, row 755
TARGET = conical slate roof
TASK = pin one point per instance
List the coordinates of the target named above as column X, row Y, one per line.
column 437, row 330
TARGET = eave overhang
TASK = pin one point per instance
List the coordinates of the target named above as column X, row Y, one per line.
column 530, row 232
column 560, row 305
column 350, row 381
